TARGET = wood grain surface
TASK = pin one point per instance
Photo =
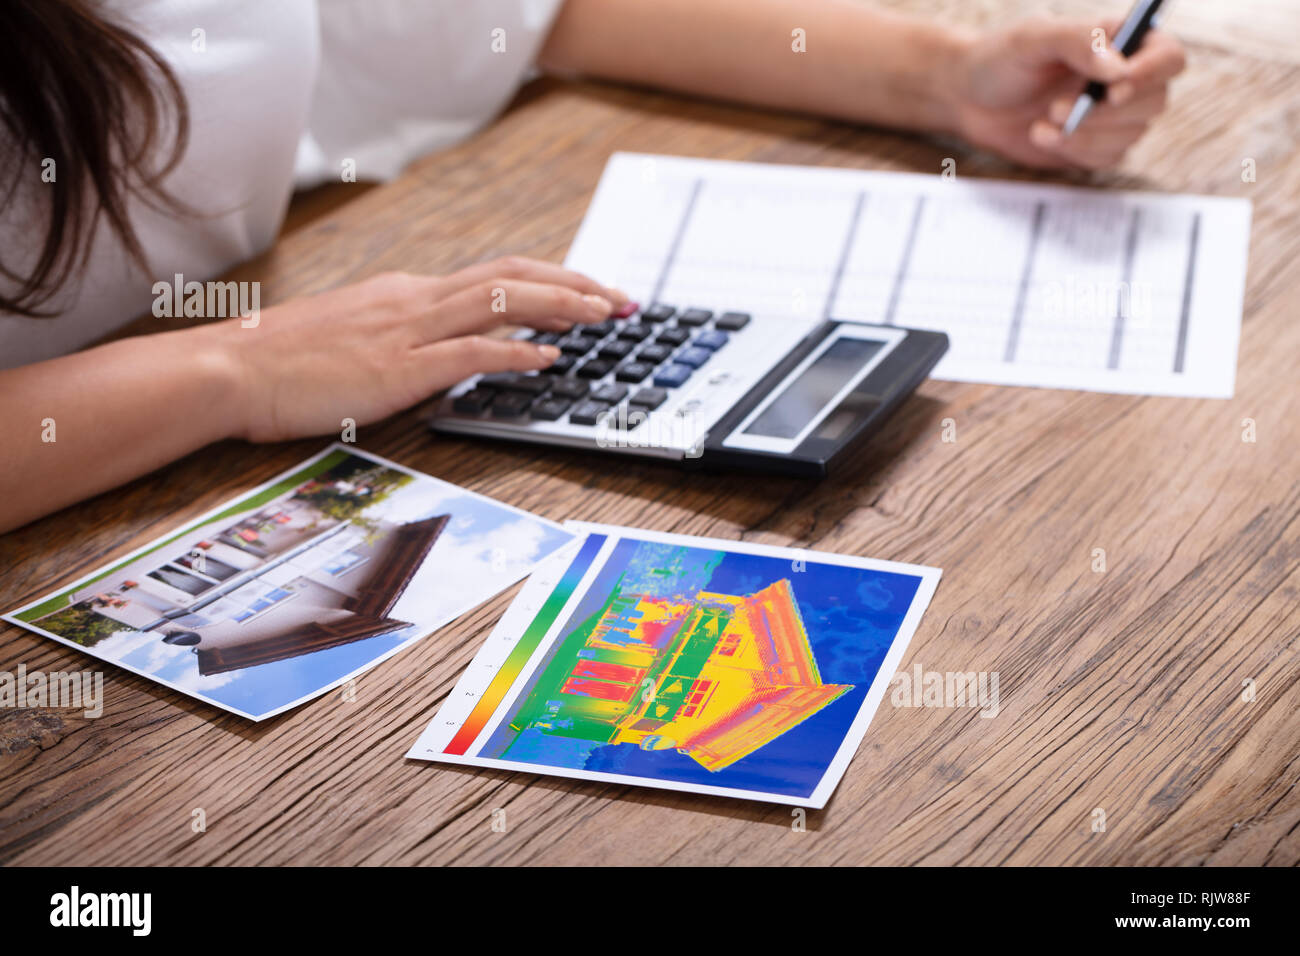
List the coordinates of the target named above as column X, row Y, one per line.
column 1120, row 690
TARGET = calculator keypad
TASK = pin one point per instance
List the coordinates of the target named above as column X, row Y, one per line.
column 639, row 356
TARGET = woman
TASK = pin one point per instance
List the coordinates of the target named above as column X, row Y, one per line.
column 153, row 138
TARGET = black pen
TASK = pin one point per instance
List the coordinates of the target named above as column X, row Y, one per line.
column 1135, row 27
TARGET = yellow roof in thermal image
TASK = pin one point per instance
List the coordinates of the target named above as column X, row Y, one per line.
column 760, row 680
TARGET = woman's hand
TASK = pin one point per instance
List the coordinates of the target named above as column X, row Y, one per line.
column 368, row 350
column 1007, row 89
column 82, row 423
column 1013, row 89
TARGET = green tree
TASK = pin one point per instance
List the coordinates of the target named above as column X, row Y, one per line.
column 80, row 624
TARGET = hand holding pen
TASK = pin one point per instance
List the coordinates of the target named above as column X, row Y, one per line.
column 1127, row 39
column 1019, row 84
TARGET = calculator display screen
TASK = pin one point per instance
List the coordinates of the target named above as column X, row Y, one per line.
column 805, row 396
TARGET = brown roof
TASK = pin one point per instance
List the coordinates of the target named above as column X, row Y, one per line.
column 306, row 639
column 411, row 545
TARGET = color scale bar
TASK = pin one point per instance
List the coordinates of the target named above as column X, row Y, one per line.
column 514, row 665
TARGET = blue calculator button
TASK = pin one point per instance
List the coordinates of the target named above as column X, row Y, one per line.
column 711, row 340
column 671, row 376
column 693, row 357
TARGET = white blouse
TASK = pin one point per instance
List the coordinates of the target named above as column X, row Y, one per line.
column 282, row 94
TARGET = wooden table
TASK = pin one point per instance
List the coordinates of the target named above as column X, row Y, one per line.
column 1120, row 690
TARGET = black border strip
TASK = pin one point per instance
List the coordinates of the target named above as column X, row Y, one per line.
column 671, row 258
column 834, row 291
column 1017, row 314
column 1189, row 282
column 1126, row 282
column 905, row 262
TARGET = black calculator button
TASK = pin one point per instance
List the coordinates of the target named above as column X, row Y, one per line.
column 654, row 353
column 694, row 317
column 588, row 413
column 711, row 340
column 671, row 376
column 634, row 333
column 511, row 404
column 694, row 357
column 598, row 330
column 732, row 321
column 560, row 365
column 544, row 338
column 596, row 368
column 550, row 409
column 473, row 401
column 513, row 382
column 657, row 313
column 633, row 371
column 529, row 384
column 616, row 349
column 673, row 336
column 576, row 344
column 569, row 388
column 610, row 394
column 648, row 397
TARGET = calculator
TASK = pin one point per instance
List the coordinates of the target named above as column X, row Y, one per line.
column 705, row 388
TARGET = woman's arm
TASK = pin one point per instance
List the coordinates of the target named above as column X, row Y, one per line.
column 859, row 63
column 80, row 424
column 362, row 352
column 1003, row 89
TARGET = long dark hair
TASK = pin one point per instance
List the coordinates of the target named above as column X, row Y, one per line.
column 93, row 97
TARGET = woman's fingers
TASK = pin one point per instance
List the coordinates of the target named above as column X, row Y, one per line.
column 1097, row 147
column 531, row 270
column 1042, row 41
column 1134, row 112
column 1116, row 123
column 454, row 360
column 493, row 302
column 1157, row 61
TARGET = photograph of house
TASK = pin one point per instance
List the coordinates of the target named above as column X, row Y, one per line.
column 299, row 585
